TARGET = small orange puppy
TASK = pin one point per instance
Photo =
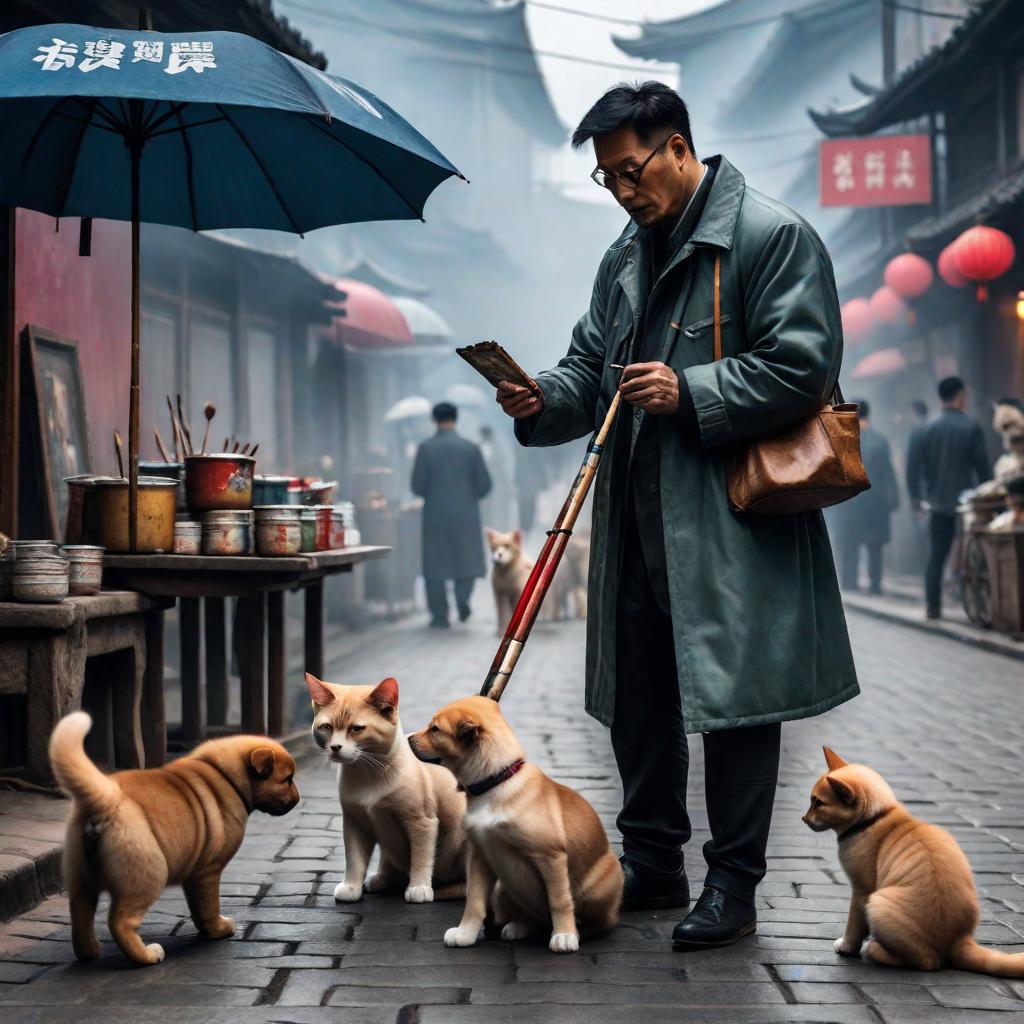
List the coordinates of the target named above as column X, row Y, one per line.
column 538, row 854
column 134, row 833
column 913, row 891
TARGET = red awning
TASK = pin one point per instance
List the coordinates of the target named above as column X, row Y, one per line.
column 883, row 363
column 368, row 318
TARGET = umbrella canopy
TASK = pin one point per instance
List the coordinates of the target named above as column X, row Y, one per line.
column 370, row 318
column 204, row 130
column 423, row 321
column 408, row 408
column 883, row 363
column 467, row 395
column 233, row 133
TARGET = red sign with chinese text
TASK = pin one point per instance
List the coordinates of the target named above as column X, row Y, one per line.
column 883, row 170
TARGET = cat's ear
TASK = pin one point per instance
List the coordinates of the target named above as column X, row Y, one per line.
column 833, row 760
column 467, row 731
column 517, row 536
column 492, row 535
column 319, row 691
column 385, row 697
column 843, row 790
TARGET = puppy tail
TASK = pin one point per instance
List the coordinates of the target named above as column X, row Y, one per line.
column 969, row 956
column 96, row 793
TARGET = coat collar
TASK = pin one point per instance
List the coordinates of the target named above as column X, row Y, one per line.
column 716, row 227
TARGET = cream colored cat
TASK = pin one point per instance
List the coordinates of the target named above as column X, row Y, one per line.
column 913, row 892
column 388, row 797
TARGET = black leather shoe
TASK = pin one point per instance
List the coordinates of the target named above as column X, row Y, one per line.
column 645, row 889
column 718, row 919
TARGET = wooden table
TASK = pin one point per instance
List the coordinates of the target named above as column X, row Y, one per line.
column 43, row 651
column 259, row 584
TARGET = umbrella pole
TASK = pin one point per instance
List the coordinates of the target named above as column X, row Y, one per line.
column 525, row 614
column 133, row 397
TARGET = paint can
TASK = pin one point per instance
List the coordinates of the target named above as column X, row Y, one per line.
column 188, row 537
column 307, row 529
column 40, row 579
column 85, row 568
column 227, row 533
column 278, row 530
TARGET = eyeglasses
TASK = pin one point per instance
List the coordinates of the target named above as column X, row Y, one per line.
column 606, row 179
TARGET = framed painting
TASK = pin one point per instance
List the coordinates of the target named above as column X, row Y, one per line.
column 51, row 362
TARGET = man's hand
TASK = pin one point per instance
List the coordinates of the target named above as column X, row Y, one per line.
column 518, row 402
column 653, row 387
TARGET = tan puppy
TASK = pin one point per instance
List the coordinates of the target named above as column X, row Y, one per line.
column 537, row 851
column 413, row 810
column 913, row 891
column 510, row 569
column 134, row 833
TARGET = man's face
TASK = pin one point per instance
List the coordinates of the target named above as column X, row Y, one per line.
column 663, row 188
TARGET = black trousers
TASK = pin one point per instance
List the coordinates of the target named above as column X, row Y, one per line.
column 648, row 735
column 941, row 531
column 437, row 597
column 850, row 564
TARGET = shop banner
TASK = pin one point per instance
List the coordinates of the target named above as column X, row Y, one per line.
column 883, row 170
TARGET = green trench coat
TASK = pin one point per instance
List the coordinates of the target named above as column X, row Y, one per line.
column 760, row 634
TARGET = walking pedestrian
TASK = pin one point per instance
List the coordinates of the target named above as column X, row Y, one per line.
column 950, row 459
column 864, row 520
column 919, row 528
column 450, row 476
column 699, row 619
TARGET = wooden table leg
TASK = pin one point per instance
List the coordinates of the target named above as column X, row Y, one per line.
column 314, row 628
column 193, row 700
column 216, row 661
column 252, row 625
column 154, row 715
column 276, row 662
column 128, row 684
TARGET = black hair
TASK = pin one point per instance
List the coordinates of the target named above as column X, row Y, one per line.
column 950, row 387
column 445, row 412
column 863, row 409
column 648, row 107
column 919, row 407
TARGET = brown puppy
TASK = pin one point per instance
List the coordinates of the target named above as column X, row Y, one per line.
column 537, row 851
column 134, row 833
column 510, row 569
column 913, row 891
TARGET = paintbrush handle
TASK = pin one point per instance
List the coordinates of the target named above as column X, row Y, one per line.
column 160, row 445
column 117, row 453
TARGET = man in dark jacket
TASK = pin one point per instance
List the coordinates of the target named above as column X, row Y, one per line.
column 864, row 520
column 950, row 459
column 698, row 619
column 450, row 475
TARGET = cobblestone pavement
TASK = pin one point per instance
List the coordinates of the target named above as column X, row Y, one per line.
column 943, row 722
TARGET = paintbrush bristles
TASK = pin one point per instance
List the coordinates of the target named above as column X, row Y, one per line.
column 209, row 411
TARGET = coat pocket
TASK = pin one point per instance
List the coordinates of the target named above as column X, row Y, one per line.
column 696, row 329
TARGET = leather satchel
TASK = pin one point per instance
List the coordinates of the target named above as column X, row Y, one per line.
column 811, row 465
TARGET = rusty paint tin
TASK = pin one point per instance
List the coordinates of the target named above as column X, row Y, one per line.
column 270, row 490
column 337, row 530
column 85, row 563
column 188, row 537
column 278, row 530
column 40, row 579
column 24, row 549
column 227, row 532
column 307, row 520
column 154, row 516
column 219, row 481
column 323, row 526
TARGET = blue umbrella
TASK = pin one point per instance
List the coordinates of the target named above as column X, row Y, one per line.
column 199, row 130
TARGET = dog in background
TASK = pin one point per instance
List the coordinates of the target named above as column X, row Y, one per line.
column 134, row 833
column 412, row 810
column 913, row 891
column 511, row 568
column 538, row 854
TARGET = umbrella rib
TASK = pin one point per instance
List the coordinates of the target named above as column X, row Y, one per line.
column 69, row 167
column 188, row 166
column 92, row 124
column 43, row 125
column 369, row 163
column 174, row 109
column 185, row 127
column 259, row 163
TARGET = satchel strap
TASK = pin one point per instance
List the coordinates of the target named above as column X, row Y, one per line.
column 836, row 397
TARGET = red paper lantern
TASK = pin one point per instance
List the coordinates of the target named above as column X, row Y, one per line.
column 983, row 254
column 948, row 270
column 909, row 276
column 857, row 320
column 887, row 307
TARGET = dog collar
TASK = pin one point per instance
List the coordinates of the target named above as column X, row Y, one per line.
column 865, row 824
column 484, row 785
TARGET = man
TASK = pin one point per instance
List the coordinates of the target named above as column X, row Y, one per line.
column 450, row 476
column 699, row 620
column 951, row 458
column 864, row 520
column 919, row 421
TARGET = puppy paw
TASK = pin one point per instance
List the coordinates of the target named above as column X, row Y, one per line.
column 462, row 936
column 515, row 930
column 344, row 893
column 419, row 894
column 844, row 948
column 156, row 953
column 564, row 942
column 222, row 928
column 376, row 883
